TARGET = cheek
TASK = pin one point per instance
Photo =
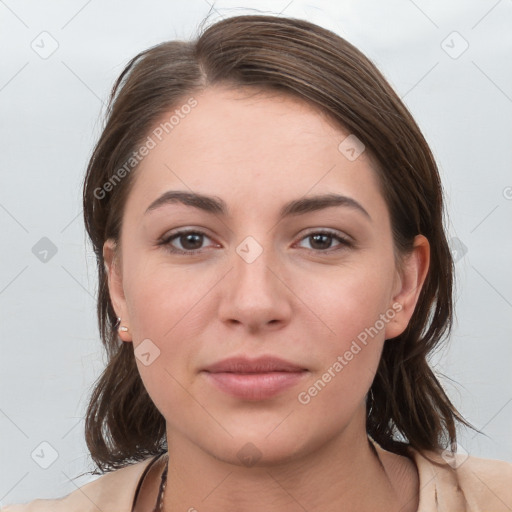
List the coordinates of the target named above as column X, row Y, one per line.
column 350, row 358
column 165, row 308
column 354, row 307
column 350, row 299
column 170, row 307
column 163, row 300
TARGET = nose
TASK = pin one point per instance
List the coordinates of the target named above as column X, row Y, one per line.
column 254, row 295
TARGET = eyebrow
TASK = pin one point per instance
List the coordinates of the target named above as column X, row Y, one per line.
column 217, row 206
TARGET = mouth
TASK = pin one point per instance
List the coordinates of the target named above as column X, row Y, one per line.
column 256, row 379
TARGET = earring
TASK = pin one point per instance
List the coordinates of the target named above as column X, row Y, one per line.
column 122, row 328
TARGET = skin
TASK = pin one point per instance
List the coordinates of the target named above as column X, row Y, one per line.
column 297, row 300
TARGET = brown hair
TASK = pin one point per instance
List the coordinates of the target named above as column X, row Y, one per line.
column 294, row 57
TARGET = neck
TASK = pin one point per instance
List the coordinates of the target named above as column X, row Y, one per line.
column 344, row 474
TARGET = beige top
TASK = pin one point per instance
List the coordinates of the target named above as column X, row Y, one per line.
column 469, row 484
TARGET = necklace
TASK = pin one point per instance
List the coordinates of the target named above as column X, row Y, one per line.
column 160, row 499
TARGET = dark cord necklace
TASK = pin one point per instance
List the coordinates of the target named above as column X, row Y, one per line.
column 160, row 499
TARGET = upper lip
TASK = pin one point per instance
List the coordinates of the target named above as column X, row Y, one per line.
column 262, row 364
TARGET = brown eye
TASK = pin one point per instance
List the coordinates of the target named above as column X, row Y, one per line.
column 190, row 241
column 321, row 241
column 185, row 242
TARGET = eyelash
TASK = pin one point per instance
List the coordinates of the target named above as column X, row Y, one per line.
column 344, row 242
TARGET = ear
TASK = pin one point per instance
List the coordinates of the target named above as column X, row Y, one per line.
column 408, row 284
column 115, row 287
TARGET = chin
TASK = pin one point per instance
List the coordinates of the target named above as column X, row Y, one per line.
column 258, row 451
column 269, row 442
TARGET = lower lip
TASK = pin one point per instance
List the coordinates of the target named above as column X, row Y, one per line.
column 255, row 386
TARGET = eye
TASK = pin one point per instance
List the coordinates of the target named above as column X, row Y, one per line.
column 321, row 241
column 191, row 242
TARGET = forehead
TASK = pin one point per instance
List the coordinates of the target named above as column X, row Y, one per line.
column 250, row 144
column 252, row 119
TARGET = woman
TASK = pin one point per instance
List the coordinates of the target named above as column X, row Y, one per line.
column 273, row 273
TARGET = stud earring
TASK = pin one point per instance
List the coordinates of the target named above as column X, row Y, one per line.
column 121, row 328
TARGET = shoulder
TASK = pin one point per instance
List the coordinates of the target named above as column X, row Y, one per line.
column 111, row 492
column 464, row 481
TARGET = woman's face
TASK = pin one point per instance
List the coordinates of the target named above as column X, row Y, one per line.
column 273, row 269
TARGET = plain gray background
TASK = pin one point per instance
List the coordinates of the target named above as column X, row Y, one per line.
column 449, row 61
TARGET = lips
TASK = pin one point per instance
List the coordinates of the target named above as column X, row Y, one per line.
column 264, row 364
column 254, row 379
